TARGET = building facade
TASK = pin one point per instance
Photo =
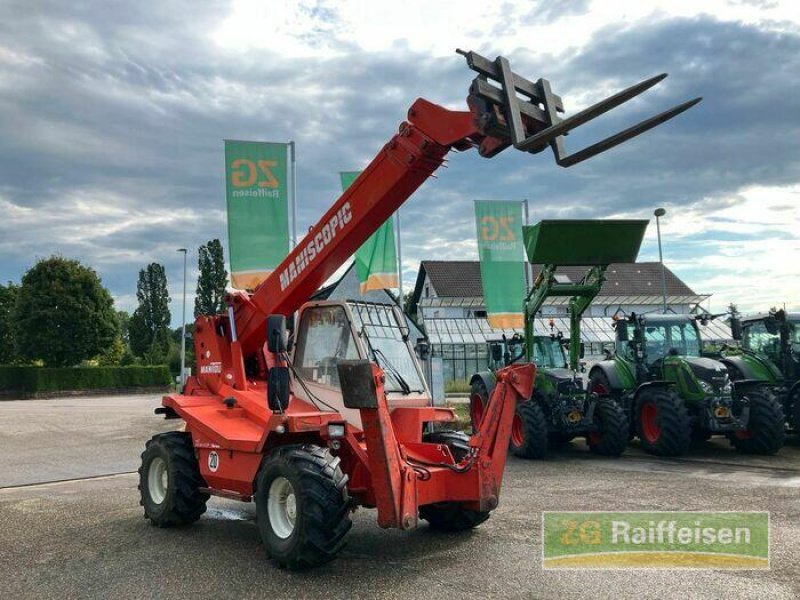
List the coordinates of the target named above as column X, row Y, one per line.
column 448, row 302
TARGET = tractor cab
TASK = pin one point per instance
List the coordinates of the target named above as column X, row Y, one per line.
column 504, row 351
column 331, row 331
column 775, row 335
column 547, row 351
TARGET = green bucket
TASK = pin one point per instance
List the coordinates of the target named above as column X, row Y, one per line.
column 584, row 242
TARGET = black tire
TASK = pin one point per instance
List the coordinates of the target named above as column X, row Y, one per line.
column 533, row 439
column 599, row 383
column 451, row 516
column 478, row 401
column 765, row 433
column 171, row 454
column 457, row 441
column 674, row 429
column 612, row 437
column 318, row 489
column 793, row 409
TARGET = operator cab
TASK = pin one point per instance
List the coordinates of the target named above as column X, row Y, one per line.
column 548, row 352
column 330, row 331
column 762, row 333
column 658, row 336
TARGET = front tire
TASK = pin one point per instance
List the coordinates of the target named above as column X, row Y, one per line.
column 451, row 516
column 765, row 433
column 302, row 506
column 529, row 437
column 611, row 439
column 169, row 481
column 662, row 422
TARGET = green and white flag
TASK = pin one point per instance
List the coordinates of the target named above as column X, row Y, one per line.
column 256, row 185
column 500, row 249
column 376, row 259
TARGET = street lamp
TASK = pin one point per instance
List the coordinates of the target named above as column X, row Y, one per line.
column 660, row 212
column 183, row 324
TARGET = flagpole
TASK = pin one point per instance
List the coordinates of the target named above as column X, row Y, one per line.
column 399, row 257
column 294, row 193
column 528, row 266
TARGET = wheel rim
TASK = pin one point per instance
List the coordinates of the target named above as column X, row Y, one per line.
column 650, row 427
column 599, row 389
column 158, row 480
column 517, row 432
column 744, row 434
column 282, row 507
column 476, row 410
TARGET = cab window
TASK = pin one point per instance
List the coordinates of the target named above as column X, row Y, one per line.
column 324, row 338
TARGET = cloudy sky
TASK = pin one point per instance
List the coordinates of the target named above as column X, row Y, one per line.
column 112, row 116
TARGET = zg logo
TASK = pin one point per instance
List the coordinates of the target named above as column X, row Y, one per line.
column 585, row 532
column 246, row 173
column 497, row 229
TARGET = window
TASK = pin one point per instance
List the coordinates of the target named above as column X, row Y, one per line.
column 671, row 338
column 324, row 338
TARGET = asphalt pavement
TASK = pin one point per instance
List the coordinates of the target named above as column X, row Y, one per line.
column 72, row 526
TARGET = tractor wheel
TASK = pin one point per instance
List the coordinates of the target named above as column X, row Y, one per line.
column 451, row 516
column 599, row 384
column 302, row 506
column 663, row 422
column 793, row 410
column 529, row 437
column 765, row 433
column 169, row 479
column 478, row 400
column 612, row 437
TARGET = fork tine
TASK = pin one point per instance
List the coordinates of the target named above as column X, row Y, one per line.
column 589, row 113
column 626, row 134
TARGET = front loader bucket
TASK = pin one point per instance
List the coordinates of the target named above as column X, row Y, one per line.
column 584, row 242
column 512, row 110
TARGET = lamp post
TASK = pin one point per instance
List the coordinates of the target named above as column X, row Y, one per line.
column 660, row 212
column 183, row 324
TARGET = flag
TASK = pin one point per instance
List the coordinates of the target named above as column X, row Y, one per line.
column 376, row 259
column 256, row 185
column 500, row 249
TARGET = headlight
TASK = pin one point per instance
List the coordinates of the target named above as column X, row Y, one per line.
column 706, row 387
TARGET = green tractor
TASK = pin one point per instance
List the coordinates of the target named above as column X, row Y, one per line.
column 674, row 395
column 561, row 408
column 770, row 353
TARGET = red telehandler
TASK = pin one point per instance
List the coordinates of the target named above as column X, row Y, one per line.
column 339, row 415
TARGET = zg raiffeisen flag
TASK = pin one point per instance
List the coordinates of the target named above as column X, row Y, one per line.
column 500, row 248
column 256, row 184
column 376, row 259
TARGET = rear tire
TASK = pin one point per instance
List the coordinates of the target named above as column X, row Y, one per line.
column 302, row 506
column 529, row 437
column 599, row 384
column 451, row 516
column 612, row 437
column 169, row 478
column 765, row 433
column 478, row 401
column 662, row 422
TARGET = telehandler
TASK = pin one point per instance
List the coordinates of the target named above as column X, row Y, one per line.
column 340, row 417
column 770, row 353
column 561, row 407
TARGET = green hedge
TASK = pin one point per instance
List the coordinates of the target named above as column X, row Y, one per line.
column 31, row 380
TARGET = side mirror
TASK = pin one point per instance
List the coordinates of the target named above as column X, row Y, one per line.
column 583, row 350
column 622, row 330
column 276, row 333
column 278, row 389
column 736, row 328
column 423, row 349
column 771, row 324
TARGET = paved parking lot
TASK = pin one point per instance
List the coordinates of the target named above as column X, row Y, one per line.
column 84, row 535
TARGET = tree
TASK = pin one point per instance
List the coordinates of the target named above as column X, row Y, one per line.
column 63, row 314
column 210, row 298
column 148, row 328
column 8, row 298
